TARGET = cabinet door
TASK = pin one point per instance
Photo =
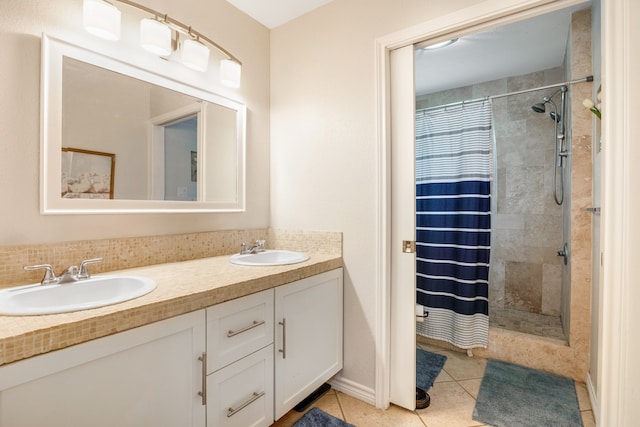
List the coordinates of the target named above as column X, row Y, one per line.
column 148, row 376
column 308, row 345
column 241, row 394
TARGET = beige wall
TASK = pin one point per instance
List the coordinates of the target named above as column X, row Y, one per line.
column 324, row 142
column 21, row 24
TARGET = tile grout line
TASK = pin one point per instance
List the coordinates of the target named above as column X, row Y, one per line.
column 344, row 417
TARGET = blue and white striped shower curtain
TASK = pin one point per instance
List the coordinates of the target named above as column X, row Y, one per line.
column 454, row 162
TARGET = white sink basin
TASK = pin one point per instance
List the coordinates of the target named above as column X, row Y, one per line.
column 269, row 257
column 97, row 291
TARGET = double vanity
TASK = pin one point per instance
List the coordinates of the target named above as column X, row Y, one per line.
column 191, row 336
column 215, row 343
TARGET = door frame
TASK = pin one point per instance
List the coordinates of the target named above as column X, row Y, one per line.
column 484, row 15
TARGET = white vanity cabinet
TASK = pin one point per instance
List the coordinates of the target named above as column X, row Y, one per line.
column 241, row 350
column 147, row 376
column 243, row 363
column 240, row 362
column 308, row 316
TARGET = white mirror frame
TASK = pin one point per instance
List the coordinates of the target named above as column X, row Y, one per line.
column 51, row 202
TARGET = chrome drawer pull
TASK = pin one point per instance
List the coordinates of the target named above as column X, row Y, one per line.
column 283, row 350
column 231, row 412
column 203, row 392
column 245, row 329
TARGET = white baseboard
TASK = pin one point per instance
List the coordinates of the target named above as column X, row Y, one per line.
column 353, row 389
column 595, row 406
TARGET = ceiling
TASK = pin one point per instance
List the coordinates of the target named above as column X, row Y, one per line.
column 273, row 13
column 523, row 47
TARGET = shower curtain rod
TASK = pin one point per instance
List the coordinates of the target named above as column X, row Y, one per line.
column 469, row 101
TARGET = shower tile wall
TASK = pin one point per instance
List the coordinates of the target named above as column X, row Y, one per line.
column 526, row 275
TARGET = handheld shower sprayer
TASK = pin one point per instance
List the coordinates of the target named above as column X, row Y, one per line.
column 559, row 141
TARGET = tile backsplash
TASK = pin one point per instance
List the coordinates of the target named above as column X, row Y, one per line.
column 131, row 252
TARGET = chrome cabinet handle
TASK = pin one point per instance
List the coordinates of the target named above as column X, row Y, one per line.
column 255, row 324
column 283, row 350
column 231, row 412
column 203, row 392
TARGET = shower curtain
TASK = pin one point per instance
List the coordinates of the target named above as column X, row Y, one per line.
column 454, row 161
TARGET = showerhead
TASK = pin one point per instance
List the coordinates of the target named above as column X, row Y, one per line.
column 555, row 116
column 539, row 107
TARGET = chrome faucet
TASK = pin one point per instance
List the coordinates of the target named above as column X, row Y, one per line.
column 257, row 247
column 49, row 276
column 84, row 274
column 70, row 275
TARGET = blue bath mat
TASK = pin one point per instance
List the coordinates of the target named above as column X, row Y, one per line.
column 317, row 418
column 428, row 366
column 516, row 396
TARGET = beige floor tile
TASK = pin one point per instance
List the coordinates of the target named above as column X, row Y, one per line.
column 583, row 396
column 362, row 414
column 587, row 419
column 328, row 403
column 471, row 386
column 462, row 367
column 443, row 377
column 451, row 406
column 288, row 419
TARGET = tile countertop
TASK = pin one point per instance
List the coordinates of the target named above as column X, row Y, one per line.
column 182, row 287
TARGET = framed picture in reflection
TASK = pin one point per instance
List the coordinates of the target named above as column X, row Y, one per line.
column 87, row 174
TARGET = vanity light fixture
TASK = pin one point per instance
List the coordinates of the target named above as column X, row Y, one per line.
column 155, row 37
column 102, row 19
column 230, row 73
column 194, row 55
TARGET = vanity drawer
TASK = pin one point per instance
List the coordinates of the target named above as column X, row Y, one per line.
column 241, row 394
column 238, row 328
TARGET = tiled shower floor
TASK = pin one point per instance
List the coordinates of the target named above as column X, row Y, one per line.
column 529, row 323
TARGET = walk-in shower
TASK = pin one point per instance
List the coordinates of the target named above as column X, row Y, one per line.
column 528, row 233
column 559, row 138
column 536, row 301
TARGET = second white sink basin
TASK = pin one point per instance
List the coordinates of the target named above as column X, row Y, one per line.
column 269, row 257
column 97, row 291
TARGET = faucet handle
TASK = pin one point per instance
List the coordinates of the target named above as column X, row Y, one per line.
column 84, row 274
column 49, row 275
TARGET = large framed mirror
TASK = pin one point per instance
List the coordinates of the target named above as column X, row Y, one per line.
column 120, row 138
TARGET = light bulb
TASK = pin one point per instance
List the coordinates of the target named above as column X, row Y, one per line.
column 230, row 72
column 101, row 19
column 195, row 55
column 155, row 37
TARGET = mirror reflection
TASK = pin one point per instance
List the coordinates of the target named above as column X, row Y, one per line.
column 120, row 138
column 154, row 133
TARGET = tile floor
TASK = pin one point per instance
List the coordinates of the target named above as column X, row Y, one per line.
column 453, row 397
